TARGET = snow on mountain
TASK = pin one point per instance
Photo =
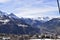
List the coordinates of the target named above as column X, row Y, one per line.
column 6, row 20
column 43, row 19
column 3, row 13
column 12, row 24
column 12, row 15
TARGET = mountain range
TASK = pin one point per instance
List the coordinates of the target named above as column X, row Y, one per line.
column 11, row 24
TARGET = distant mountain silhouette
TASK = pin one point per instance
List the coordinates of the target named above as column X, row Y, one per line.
column 11, row 24
column 53, row 26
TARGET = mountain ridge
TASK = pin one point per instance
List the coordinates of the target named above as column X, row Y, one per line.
column 16, row 25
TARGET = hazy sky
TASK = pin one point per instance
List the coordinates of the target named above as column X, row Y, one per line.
column 30, row 8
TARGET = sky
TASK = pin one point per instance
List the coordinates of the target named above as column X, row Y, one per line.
column 30, row 8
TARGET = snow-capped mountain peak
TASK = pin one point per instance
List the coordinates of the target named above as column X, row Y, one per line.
column 43, row 18
column 3, row 13
column 12, row 15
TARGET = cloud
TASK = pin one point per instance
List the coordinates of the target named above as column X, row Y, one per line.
column 30, row 12
column 30, row 8
column 4, row 1
column 35, row 8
